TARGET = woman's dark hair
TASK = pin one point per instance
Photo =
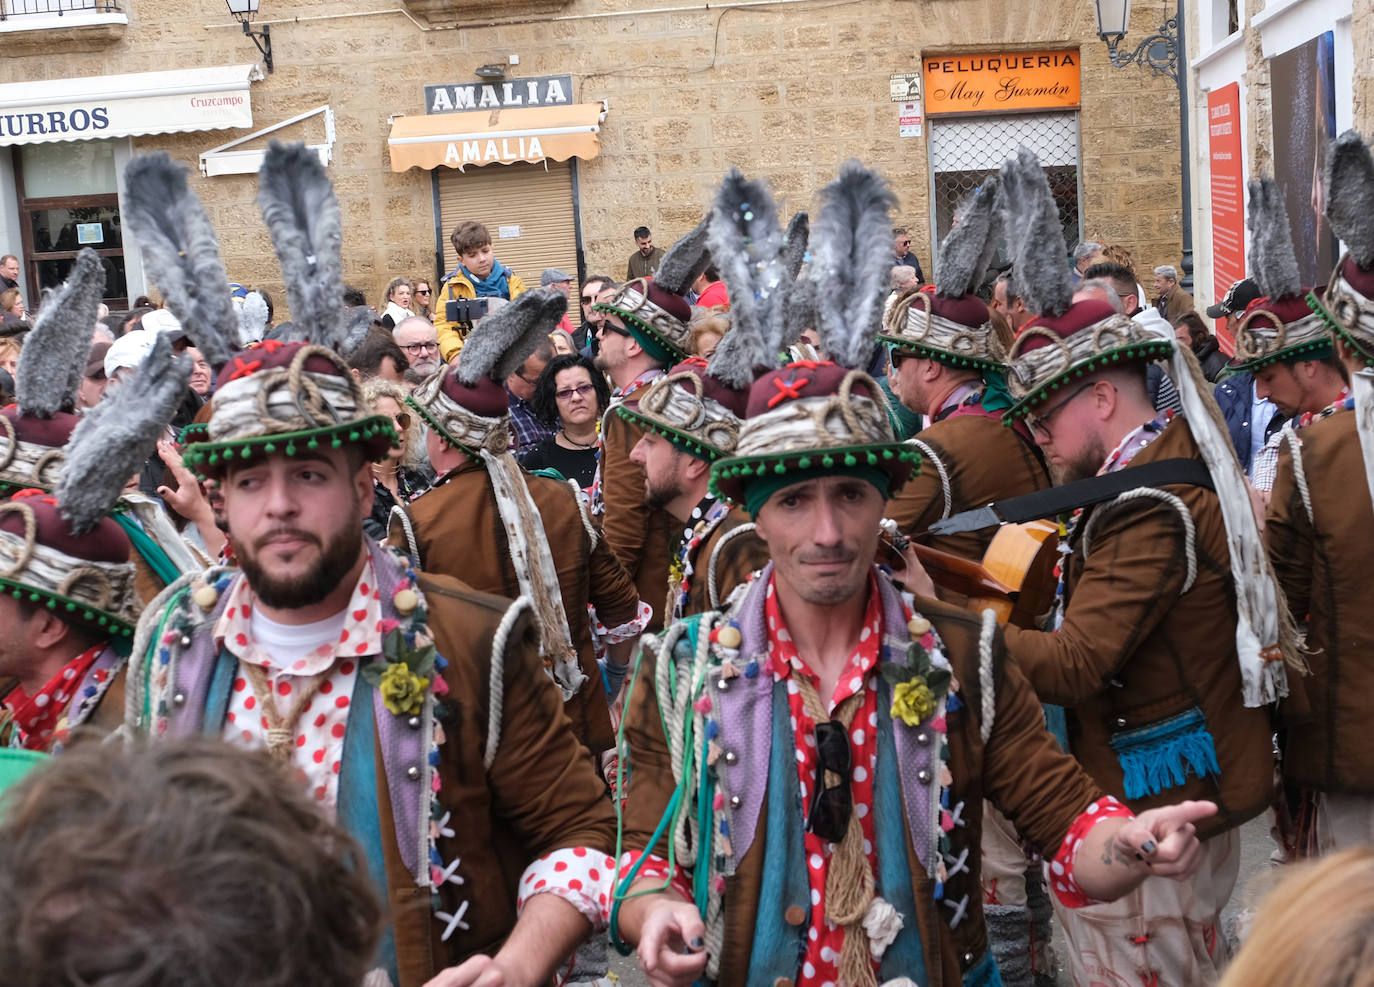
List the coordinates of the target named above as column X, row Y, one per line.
column 544, row 401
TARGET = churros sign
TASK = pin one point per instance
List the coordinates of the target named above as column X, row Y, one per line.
column 996, row 82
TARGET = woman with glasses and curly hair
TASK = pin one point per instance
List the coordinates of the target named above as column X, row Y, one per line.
column 399, row 478
column 572, row 393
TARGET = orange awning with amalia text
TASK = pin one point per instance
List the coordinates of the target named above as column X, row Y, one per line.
column 498, row 136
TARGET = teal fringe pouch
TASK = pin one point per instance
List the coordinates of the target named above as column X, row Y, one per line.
column 1162, row 755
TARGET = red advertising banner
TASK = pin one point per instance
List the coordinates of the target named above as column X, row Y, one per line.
column 1228, row 196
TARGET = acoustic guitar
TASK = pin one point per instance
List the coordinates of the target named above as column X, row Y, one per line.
column 1015, row 578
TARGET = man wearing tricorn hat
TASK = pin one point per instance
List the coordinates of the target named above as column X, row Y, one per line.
column 1156, row 712
column 1319, row 531
column 411, row 708
column 830, row 747
column 645, row 331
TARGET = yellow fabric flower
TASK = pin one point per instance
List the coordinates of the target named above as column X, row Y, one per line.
column 402, row 690
column 912, row 701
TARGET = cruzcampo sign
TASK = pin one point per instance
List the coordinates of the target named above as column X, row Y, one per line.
column 1001, row 82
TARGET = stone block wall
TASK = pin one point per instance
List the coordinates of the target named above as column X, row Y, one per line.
column 785, row 91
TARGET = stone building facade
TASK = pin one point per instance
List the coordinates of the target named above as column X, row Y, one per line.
column 785, row 90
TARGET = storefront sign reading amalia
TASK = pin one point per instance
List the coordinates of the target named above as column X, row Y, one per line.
column 545, row 90
column 998, row 82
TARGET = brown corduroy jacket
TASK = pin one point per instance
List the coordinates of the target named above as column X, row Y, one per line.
column 741, row 554
column 1019, row 769
column 1322, row 565
column 642, row 538
column 983, row 461
column 459, row 532
column 1135, row 649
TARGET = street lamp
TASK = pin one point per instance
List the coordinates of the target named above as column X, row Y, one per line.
column 1161, row 52
column 243, row 11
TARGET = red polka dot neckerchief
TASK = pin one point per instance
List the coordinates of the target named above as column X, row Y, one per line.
column 36, row 717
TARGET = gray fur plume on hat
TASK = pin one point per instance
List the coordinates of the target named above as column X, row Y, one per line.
column 851, row 250
column 685, row 260
column 1350, row 195
column 181, row 253
column 1035, row 238
column 751, row 255
column 53, row 358
column 302, row 215
column 500, row 343
column 118, row 435
column 1273, row 262
column 967, row 249
column 798, row 236
column 252, row 316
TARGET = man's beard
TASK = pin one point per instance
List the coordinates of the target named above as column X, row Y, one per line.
column 1082, row 466
column 657, row 496
column 337, row 557
column 423, row 368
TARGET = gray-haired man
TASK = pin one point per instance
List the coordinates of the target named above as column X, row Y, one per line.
column 1172, row 302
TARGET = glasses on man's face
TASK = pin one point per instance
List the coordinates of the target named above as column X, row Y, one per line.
column 421, row 347
column 832, row 805
column 1040, row 424
column 581, row 390
column 609, row 326
column 402, row 420
column 588, row 299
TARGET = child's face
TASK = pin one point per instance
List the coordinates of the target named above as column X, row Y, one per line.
column 479, row 260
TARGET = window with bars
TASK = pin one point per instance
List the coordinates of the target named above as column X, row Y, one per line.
column 964, row 151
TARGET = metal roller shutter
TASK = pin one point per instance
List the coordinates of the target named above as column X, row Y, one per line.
column 532, row 204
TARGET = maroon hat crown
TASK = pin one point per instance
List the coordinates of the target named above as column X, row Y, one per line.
column 471, row 416
column 106, row 542
column 31, row 447
column 691, row 409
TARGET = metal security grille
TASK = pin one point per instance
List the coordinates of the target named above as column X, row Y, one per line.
column 966, row 150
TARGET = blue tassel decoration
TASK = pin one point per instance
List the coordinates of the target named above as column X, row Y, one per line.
column 1162, row 755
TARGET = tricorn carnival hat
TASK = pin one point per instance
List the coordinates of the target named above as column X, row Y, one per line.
column 84, row 576
column 1283, row 325
column 1348, row 305
column 655, row 311
column 51, row 365
column 277, row 396
column 468, row 405
column 815, row 418
column 950, row 324
column 696, row 405
column 1065, row 340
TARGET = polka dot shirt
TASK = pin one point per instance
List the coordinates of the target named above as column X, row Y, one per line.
column 319, row 734
column 820, row 964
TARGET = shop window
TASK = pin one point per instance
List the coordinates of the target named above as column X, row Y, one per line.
column 69, row 200
column 965, row 151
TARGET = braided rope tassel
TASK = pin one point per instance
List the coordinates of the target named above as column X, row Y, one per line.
column 985, row 684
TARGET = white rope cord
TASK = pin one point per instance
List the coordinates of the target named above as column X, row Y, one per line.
column 496, row 684
column 1163, row 496
column 584, row 511
column 985, row 682
column 1362, row 390
column 712, row 594
column 1288, row 435
column 929, row 453
column 398, row 515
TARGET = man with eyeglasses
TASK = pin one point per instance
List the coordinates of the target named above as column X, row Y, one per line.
column 527, row 428
column 597, row 288
column 418, row 340
column 901, row 249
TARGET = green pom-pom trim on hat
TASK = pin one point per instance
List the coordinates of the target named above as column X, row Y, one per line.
column 927, row 352
column 1148, row 350
column 201, row 456
column 52, row 600
column 689, row 444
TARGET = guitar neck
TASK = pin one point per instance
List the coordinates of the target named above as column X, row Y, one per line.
column 961, row 575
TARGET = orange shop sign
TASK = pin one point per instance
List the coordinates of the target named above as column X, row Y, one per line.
column 997, row 82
